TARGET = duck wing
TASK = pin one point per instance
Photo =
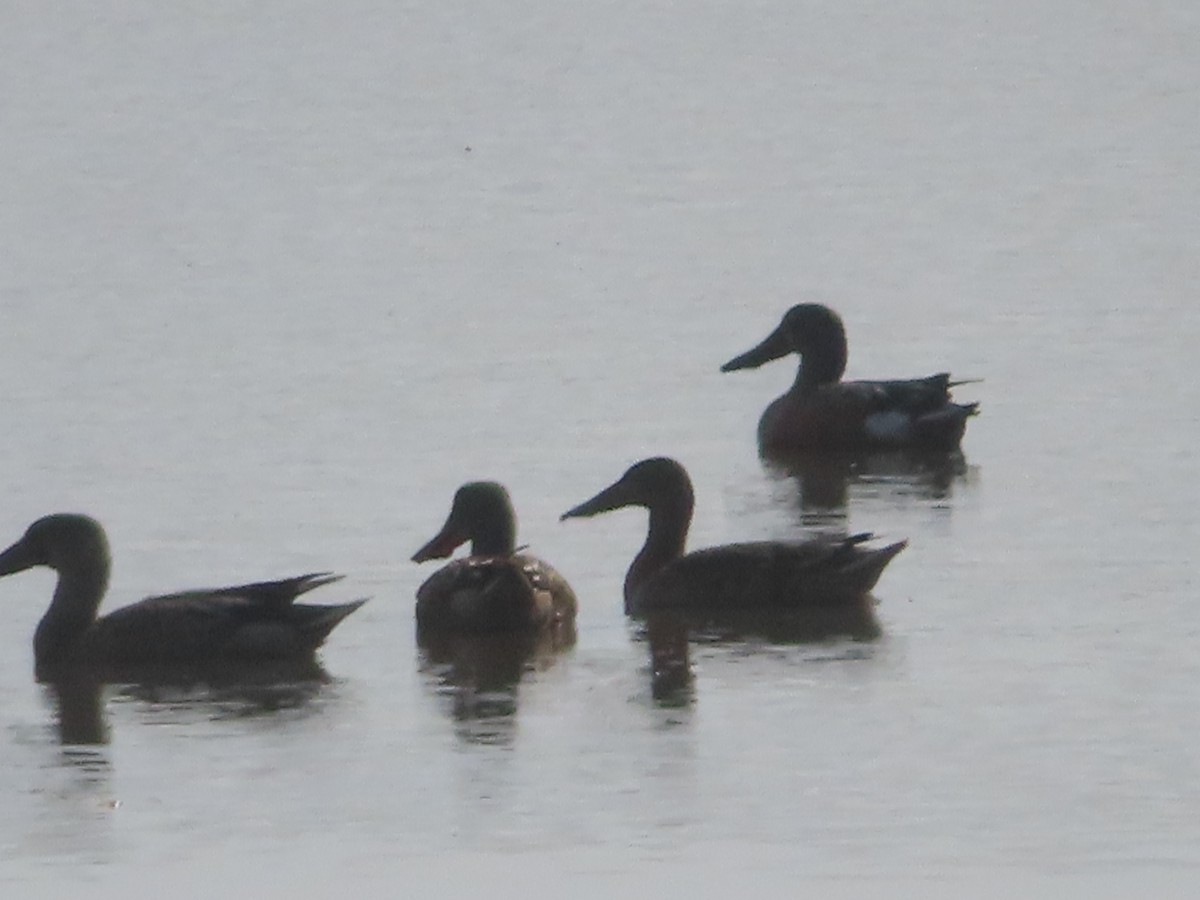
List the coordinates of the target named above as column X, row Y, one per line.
column 768, row 574
column 250, row 621
column 494, row 593
column 277, row 593
column 911, row 411
column 914, row 396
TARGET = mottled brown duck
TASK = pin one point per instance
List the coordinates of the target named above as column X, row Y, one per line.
column 822, row 412
column 760, row 575
column 246, row 623
column 496, row 588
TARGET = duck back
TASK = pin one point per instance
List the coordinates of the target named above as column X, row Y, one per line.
column 766, row 575
column 494, row 593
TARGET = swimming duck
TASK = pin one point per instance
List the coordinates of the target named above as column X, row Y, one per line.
column 822, row 412
column 248, row 622
column 733, row 577
column 496, row 588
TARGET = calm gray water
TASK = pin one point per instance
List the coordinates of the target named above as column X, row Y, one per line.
column 277, row 277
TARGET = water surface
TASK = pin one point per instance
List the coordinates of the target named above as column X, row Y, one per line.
column 278, row 279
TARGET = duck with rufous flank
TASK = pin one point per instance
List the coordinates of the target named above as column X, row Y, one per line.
column 822, row 412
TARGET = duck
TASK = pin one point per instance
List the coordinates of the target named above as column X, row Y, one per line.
column 820, row 412
column 497, row 587
column 243, row 623
column 759, row 575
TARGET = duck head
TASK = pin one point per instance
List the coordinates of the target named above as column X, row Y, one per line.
column 63, row 542
column 810, row 329
column 663, row 487
column 481, row 513
column 656, row 483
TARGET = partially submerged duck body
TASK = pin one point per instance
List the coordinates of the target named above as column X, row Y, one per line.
column 822, row 412
column 244, row 623
column 761, row 575
column 495, row 588
column 767, row 575
column 494, row 593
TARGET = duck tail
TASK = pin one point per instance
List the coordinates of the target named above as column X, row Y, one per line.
column 280, row 593
column 317, row 621
column 869, row 564
column 852, row 540
column 943, row 427
column 302, row 584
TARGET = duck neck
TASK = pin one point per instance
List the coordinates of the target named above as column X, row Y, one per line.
column 666, row 538
column 73, row 609
column 822, row 358
column 495, row 534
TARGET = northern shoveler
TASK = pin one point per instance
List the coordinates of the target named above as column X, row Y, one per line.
column 495, row 588
column 734, row 577
column 249, row 622
column 822, row 412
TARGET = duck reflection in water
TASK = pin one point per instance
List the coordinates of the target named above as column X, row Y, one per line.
column 78, row 702
column 669, row 635
column 825, row 483
column 672, row 682
column 227, row 691
column 480, row 674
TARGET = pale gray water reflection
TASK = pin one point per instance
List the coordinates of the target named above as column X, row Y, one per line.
column 672, row 681
column 476, row 677
column 78, row 708
column 79, row 696
column 827, row 484
column 174, row 702
column 669, row 637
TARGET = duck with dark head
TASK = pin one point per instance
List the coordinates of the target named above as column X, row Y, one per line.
column 821, row 412
column 246, row 623
column 762, row 576
column 496, row 588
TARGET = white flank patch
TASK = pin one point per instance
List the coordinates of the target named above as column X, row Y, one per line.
column 889, row 426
